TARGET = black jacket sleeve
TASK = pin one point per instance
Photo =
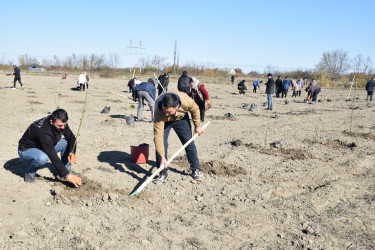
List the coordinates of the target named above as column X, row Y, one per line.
column 46, row 142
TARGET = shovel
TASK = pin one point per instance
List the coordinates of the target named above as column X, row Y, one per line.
column 136, row 192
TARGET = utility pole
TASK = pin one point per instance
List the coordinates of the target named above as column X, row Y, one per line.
column 174, row 56
column 140, row 49
column 140, row 57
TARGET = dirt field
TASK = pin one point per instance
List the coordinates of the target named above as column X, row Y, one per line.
column 279, row 180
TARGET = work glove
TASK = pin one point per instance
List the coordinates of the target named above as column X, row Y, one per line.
column 75, row 180
column 72, row 158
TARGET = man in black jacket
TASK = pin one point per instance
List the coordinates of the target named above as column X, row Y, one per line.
column 164, row 81
column 270, row 89
column 370, row 89
column 279, row 86
column 42, row 140
column 17, row 76
column 184, row 83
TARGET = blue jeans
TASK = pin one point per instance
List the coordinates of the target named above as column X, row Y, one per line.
column 183, row 131
column 270, row 101
column 37, row 157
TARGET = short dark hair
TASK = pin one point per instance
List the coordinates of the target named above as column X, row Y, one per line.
column 269, row 74
column 286, row 77
column 59, row 114
column 184, row 73
column 170, row 101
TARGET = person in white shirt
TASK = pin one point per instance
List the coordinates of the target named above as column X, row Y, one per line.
column 82, row 80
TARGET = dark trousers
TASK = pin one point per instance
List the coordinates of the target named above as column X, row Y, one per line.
column 255, row 88
column 82, row 86
column 160, row 90
column 299, row 92
column 278, row 91
column 315, row 95
column 284, row 93
column 369, row 95
column 202, row 109
column 183, row 131
column 17, row 78
column 294, row 93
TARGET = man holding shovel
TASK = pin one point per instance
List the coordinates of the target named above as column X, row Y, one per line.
column 43, row 140
column 171, row 111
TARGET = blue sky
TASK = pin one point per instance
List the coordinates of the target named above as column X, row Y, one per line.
column 245, row 34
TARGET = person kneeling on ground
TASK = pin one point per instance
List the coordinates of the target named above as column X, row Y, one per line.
column 242, row 87
column 172, row 112
column 145, row 90
column 199, row 95
column 42, row 140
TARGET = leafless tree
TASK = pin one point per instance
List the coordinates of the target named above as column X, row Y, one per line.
column 158, row 62
column 28, row 60
column 362, row 64
column 114, row 59
column 268, row 68
column 334, row 63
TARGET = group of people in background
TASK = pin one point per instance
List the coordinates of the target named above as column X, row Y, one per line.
column 146, row 91
column 282, row 87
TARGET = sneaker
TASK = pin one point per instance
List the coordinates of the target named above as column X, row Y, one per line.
column 13, row 88
column 196, row 174
column 30, row 178
column 161, row 178
column 21, row 87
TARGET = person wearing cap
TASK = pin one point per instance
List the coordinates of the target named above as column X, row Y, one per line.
column 17, row 77
column 164, row 81
column 145, row 91
column 270, row 90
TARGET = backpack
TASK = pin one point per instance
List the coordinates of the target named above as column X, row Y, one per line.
column 184, row 84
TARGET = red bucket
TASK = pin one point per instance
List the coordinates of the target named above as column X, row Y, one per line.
column 139, row 153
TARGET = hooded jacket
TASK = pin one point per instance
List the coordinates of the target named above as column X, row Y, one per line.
column 146, row 86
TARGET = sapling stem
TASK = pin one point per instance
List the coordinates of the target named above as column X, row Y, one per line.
column 79, row 128
column 320, row 118
column 266, row 135
column 351, row 116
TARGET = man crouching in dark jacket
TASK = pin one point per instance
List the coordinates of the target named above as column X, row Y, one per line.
column 43, row 140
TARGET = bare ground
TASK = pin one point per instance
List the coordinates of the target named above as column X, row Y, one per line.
column 285, row 180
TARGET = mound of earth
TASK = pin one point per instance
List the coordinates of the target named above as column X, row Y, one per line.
column 288, row 153
column 221, row 168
